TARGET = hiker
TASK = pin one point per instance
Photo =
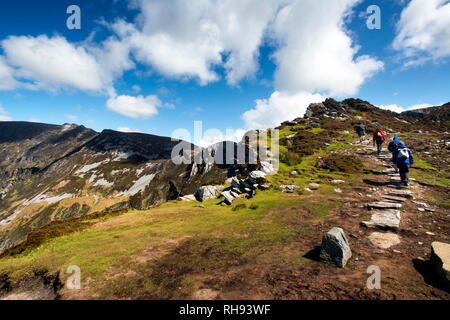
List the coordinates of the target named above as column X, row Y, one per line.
column 361, row 131
column 392, row 147
column 403, row 158
column 379, row 138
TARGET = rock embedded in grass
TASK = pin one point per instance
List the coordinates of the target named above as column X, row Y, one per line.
column 335, row 249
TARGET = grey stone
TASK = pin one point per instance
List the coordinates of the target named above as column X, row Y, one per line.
column 389, row 219
column 335, row 248
column 228, row 197
column 384, row 205
column 207, row 192
column 401, row 193
column 289, row 188
column 257, row 177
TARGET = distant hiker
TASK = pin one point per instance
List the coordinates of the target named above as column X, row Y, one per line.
column 379, row 138
column 392, row 147
column 361, row 131
column 403, row 158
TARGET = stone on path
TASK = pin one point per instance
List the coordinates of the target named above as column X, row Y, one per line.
column 394, row 199
column 400, row 193
column 389, row 219
column 440, row 259
column 384, row 205
column 384, row 240
column 335, row 249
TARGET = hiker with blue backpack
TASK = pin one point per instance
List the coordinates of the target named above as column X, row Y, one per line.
column 403, row 158
column 392, row 147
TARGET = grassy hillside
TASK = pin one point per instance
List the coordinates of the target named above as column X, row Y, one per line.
column 259, row 248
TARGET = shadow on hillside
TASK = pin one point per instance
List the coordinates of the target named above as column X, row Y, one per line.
column 425, row 268
column 313, row 254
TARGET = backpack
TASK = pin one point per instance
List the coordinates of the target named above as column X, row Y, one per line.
column 403, row 154
column 379, row 135
column 395, row 145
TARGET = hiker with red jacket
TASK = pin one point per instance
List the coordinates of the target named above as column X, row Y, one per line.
column 379, row 138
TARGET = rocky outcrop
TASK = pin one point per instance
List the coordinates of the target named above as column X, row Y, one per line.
column 207, row 192
column 245, row 188
column 335, row 248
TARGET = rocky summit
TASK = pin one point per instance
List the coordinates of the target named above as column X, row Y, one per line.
column 145, row 220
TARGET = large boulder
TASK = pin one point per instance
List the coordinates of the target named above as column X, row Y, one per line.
column 257, row 177
column 207, row 192
column 440, row 259
column 335, row 248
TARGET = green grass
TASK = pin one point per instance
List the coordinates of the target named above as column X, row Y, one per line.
column 419, row 163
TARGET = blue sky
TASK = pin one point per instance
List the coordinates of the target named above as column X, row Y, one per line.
column 230, row 64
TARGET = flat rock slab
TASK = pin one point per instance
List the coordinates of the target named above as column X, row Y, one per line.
column 401, row 193
column 389, row 219
column 384, row 240
column 335, row 248
column 384, row 205
column 440, row 258
column 394, row 199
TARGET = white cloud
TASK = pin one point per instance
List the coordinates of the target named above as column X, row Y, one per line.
column 392, row 107
column 400, row 109
column 316, row 54
column 4, row 115
column 53, row 62
column 126, row 129
column 139, row 107
column 281, row 106
column 423, row 32
column 7, row 81
column 186, row 39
